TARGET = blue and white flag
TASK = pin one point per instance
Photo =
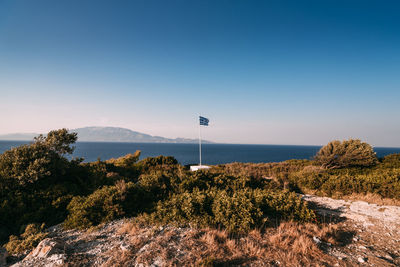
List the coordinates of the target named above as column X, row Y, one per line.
column 203, row 121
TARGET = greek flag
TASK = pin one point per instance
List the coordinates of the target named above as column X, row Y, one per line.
column 203, row 121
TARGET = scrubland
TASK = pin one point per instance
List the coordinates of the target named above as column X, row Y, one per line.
column 231, row 214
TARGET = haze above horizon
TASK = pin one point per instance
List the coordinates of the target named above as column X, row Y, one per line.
column 266, row 72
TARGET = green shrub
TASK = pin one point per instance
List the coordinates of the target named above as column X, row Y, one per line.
column 381, row 179
column 348, row 153
column 309, row 178
column 237, row 211
column 125, row 166
column 205, row 179
column 159, row 184
column 33, row 177
column 262, row 170
column 127, row 161
column 106, row 204
column 287, row 205
column 187, row 207
column 391, row 161
column 28, row 163
column 43, row 158
column 160, row 163
column 29, row 239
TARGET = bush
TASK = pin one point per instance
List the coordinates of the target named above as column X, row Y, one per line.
column 29, row 163
column 127, row 161
column 187, row 207
column 159, row 184
column 33, row 234
column 37, row 181
column 262, row 170
column 391, row 161
column 106, row 204
column 160, row 163
column 287, row 206
column 237, row 211
column 348, row 153
column 125, row 166
column 382, row 179
column 310, row 178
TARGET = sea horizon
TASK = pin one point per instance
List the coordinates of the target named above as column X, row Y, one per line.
column 188, row 153
column 210, row 143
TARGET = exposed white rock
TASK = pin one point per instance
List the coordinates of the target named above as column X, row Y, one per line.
column 316, row 240
column 361, row 259
column 359, row 211
column 46, row 248
column 49, row 252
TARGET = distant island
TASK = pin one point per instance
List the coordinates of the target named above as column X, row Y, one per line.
column 107, row 134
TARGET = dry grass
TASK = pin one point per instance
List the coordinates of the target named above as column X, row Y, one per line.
column 119, row 258
column 290, row 244
column 373, row 198
column 129, row 228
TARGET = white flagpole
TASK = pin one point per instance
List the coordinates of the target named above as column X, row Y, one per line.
column 200, row 140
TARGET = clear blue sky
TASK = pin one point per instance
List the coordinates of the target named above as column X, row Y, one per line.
column 271, row 72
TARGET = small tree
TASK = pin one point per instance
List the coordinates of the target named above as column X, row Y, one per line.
column 59, row 141
column 32, row 162
column 348, row 153
column 37, row 182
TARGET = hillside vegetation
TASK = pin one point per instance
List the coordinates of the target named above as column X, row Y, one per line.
column 339, row 169
column 40, row 186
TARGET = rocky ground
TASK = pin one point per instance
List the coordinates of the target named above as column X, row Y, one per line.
column 376, row 240
column 371, row 238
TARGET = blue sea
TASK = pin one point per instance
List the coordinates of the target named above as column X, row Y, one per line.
column 189, row 153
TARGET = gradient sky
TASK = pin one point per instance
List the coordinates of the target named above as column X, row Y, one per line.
column 268, row 72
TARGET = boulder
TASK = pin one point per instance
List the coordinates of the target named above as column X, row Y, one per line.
column 47, row 247
column 49, row 253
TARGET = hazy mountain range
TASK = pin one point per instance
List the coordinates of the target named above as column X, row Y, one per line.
column 107, row 134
